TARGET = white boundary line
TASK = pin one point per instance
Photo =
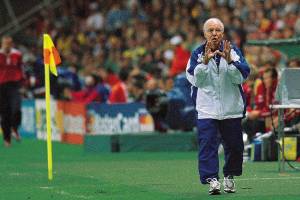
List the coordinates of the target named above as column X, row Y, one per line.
column 260, row 179
column 64, row 193
column 46, row 187
column 266, row 178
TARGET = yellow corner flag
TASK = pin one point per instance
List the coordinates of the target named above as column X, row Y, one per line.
column 51, row 59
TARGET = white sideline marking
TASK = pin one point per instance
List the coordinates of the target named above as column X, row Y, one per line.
column 45, row 187
column 266, row 178
column 73, row 196
column 259, row 179
column 15, row 174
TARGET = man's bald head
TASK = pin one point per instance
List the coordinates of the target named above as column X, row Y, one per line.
column 210, row 21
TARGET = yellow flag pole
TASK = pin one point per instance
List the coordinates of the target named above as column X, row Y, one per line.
column 48, row 121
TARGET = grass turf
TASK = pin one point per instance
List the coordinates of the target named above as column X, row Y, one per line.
column 165, row 175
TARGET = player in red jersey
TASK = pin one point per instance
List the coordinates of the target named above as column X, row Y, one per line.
column 11, row 75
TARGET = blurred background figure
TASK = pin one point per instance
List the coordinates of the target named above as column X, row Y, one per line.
column 94, row 91
column 11, row 76
column 259, row 116
column 181, row 55
column 119, row 92
column 157, row 104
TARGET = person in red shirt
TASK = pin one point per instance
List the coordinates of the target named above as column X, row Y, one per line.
column 95, row 90
column 11, row 75
column 265, row 94
column 249, row 90
column 258, row 119
column 119, row 92
column 181, row 56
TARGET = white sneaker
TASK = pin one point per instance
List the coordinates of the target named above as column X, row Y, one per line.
column 229, row 185
column 214, row 186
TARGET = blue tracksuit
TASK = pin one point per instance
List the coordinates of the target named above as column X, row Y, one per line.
column 219, row 99
column 210, row 133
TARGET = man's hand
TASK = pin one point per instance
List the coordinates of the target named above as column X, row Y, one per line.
column 208, row 54
column 226, row 52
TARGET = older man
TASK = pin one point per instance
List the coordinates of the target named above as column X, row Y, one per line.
column 216, row 71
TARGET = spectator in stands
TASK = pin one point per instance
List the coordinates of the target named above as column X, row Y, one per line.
column 183, row 85
column 119, row 92
column 250, row 126
column 250, row 87
column 95, row 91
column 34, row 73
column 67, row 78
column 117, row 16
column 265, row 96
column 157, row 104
column 216, row 69
column 136, row 88
column 181, row 110
column 11, row 76
column 95, row 21
column 181, row 56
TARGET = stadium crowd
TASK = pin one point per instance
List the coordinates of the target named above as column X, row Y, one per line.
column 125, row 51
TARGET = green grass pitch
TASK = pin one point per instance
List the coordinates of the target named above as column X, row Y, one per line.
column 118, row 176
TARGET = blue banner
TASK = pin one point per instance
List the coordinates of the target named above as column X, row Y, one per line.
column 111, row 119
column 27, row 128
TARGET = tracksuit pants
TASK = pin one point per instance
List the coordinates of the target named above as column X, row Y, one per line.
column 211, row 133
column 10, row 108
